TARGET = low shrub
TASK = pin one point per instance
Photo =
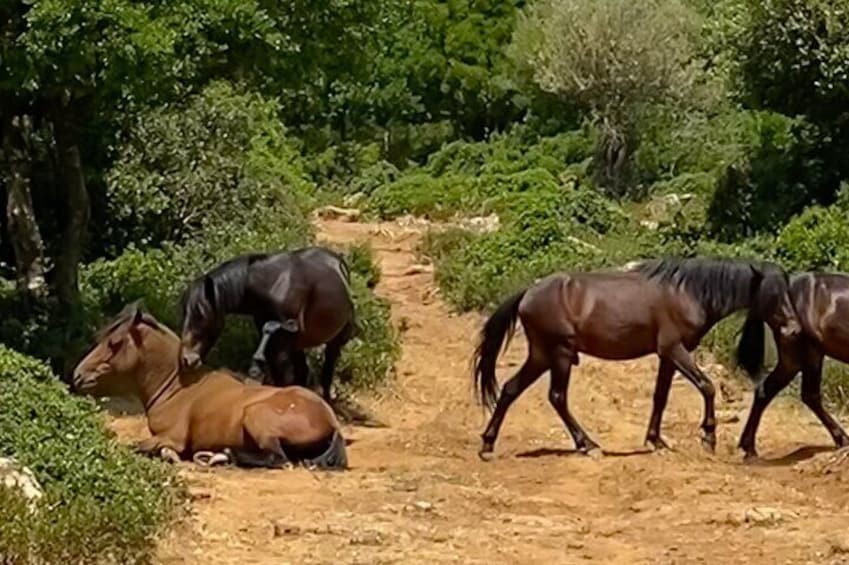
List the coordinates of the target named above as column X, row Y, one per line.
column 101, row 502
column 815, row 239
column 424, row 195
column 465, row 177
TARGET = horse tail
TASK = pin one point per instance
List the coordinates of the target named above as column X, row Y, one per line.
column 346, row 270
column 495, row 335
column 750, row 349
column 335, row 457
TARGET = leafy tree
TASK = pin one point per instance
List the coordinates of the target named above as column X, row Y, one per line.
column 79, row 71
column 614, row 57
column 792, row 56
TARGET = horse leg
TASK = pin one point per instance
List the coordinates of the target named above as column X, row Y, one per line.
column 262, row 423
column 161, row 446
column 661, row 394
column 332, row 351
column 684, row 363
column 300, row 367
column 812, row 397
column 558, row 396
column 512, row 389
column 777, row 381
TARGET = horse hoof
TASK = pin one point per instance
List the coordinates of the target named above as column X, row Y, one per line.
column 593, row 452
column 219, row 459
column 169, row 455
column 203, row 458
column 750, row 456
column 658, row 445
column 486, row 455
column 709, row 444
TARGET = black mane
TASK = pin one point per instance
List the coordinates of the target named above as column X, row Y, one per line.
column 227, row 282
column 721, row 285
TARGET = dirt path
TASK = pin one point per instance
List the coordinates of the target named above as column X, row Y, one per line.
column 417, row 492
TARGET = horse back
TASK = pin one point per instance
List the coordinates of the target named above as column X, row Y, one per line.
column 613, row 315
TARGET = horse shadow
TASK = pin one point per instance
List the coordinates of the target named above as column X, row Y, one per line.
column 565, row 452
column 796, row 456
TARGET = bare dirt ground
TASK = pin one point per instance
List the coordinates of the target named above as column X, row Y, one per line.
column 417, row 492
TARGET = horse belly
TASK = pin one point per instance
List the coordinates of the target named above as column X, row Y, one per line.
column 322, row 323
column 609, row 335
column 217, row 425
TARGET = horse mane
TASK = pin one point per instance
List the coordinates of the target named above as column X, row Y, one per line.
column 123, row 317
column 228, row 282
column 721, row 285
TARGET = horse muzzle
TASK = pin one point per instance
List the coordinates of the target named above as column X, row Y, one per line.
column 190, row 359
column 257, row 370
column 791, row 329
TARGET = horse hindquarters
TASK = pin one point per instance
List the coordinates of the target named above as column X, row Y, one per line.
column 335, row 457
column 287, row 430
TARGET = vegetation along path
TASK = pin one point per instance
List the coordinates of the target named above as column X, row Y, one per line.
column 417, row 492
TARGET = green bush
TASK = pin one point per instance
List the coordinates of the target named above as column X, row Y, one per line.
column 224, row 158
column 775, row 177
column 424, row 195
column 102, row 503
column 816, row 239
column 472, row 178
column 544, row 230
column 362, row 262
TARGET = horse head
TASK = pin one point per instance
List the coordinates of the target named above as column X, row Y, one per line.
column 771, row 300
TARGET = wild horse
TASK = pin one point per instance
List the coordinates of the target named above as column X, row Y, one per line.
column 821, row 301
column 205, row 414
column 306, row 291
column 663, row 307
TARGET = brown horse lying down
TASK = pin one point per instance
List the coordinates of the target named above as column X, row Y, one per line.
column 208, row 414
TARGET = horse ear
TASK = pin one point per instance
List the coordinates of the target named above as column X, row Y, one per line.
column 138, row 315
column 757, row 274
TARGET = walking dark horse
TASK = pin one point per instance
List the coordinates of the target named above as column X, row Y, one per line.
column 822, row 305
column 663, row 307
column 306, row 291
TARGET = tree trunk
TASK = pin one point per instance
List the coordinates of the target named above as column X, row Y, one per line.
column 23, row 228
column 614, row 153
column 66, row 277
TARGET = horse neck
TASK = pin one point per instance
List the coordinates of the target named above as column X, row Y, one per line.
column 158, row 373
column 233, row 299
column 738, row 300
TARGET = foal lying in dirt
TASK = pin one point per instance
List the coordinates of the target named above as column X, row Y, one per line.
column 204, row 414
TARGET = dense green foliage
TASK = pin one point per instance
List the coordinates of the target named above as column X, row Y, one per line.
column 143, row 142
column 99, row 499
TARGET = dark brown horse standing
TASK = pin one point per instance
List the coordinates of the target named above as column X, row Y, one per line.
column 821, row 301
column 306, row 291
column 663, row 307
